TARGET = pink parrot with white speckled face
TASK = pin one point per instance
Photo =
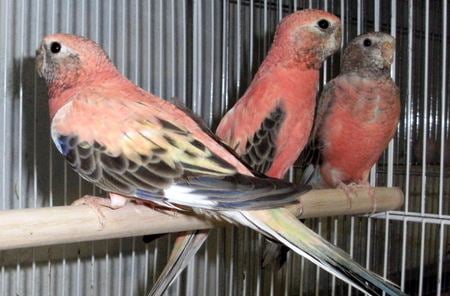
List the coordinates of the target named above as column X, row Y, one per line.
column 135, row 145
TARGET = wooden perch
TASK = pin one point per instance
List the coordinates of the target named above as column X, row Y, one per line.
column 68, row 224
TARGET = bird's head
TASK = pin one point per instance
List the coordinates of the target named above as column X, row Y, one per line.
column 309, row 36
column 371, row 54
column 65, row 60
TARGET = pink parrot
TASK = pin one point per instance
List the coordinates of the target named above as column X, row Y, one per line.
column 269, row 126
column 135, row 145
column 358, row 113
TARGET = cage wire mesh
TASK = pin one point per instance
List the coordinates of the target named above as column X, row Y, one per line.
column 205, row 53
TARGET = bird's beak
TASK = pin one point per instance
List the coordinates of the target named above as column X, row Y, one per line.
column 333, row 44
column 387, row 51
column 40, row 59
column 338, row 36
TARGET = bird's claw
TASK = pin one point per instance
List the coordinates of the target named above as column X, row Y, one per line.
column 95, row 203
column 350, row 192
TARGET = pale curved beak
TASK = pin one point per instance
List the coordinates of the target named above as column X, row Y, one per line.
column 388, row 50
column 40, row 59
column 338, row 36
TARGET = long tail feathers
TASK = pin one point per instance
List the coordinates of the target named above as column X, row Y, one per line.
column 184, row 249
column 281, row 225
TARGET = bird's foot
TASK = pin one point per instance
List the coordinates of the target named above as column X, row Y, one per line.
column 350, row 192
column 371, row 192
column 114, row 202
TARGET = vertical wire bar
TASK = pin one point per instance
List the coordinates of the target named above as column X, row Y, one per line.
column 408, row 138
column 19, row 181
column 107, row 256
column 177, row 283
column 425, row 109
column 196, row 106
column 184, row 51
column 443, row 104
column 205, row 269
column 231, row 263
column 409, row 111
column 34, row 173
column 225, row 53
column 373, row 172
column 440, row 259
column 422, row 251
column 133, row 263
column 335, row 236
column 251, row 43
column 243, row 270
column 5, row 95
column 92, row 283
column 218, row 284
column 265, row 27
column 210, row 121
column 391, row 148
column 146, row 267
column 155, row 261
column 224, row 107
column 136, row 79
column 172, row 62
column 259, row 279
column 424, row 145
column 336, row 222
column 197, row 56
column 317, row 286
column 238, row 48
column 390, row 166
column 280, row 10
column 302, row 276
column 21, row 50
column 160, row 48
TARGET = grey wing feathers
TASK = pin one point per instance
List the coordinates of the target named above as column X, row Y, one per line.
column 260, row 149
column 152, row 178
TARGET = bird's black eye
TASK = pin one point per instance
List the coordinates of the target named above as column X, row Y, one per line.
column 323, row 24
column 55, row 47
column 367, row 42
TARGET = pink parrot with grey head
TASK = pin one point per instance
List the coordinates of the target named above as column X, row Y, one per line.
column 357, row 115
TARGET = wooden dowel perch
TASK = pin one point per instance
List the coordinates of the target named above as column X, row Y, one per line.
column 68, row 224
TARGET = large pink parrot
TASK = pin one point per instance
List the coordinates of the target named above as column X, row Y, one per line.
column 135, row 145
column 269, row 126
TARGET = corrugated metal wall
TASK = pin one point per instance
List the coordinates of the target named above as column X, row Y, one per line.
column 205, row 53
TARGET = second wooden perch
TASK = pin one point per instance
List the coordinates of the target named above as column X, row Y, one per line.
column 57, row 225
